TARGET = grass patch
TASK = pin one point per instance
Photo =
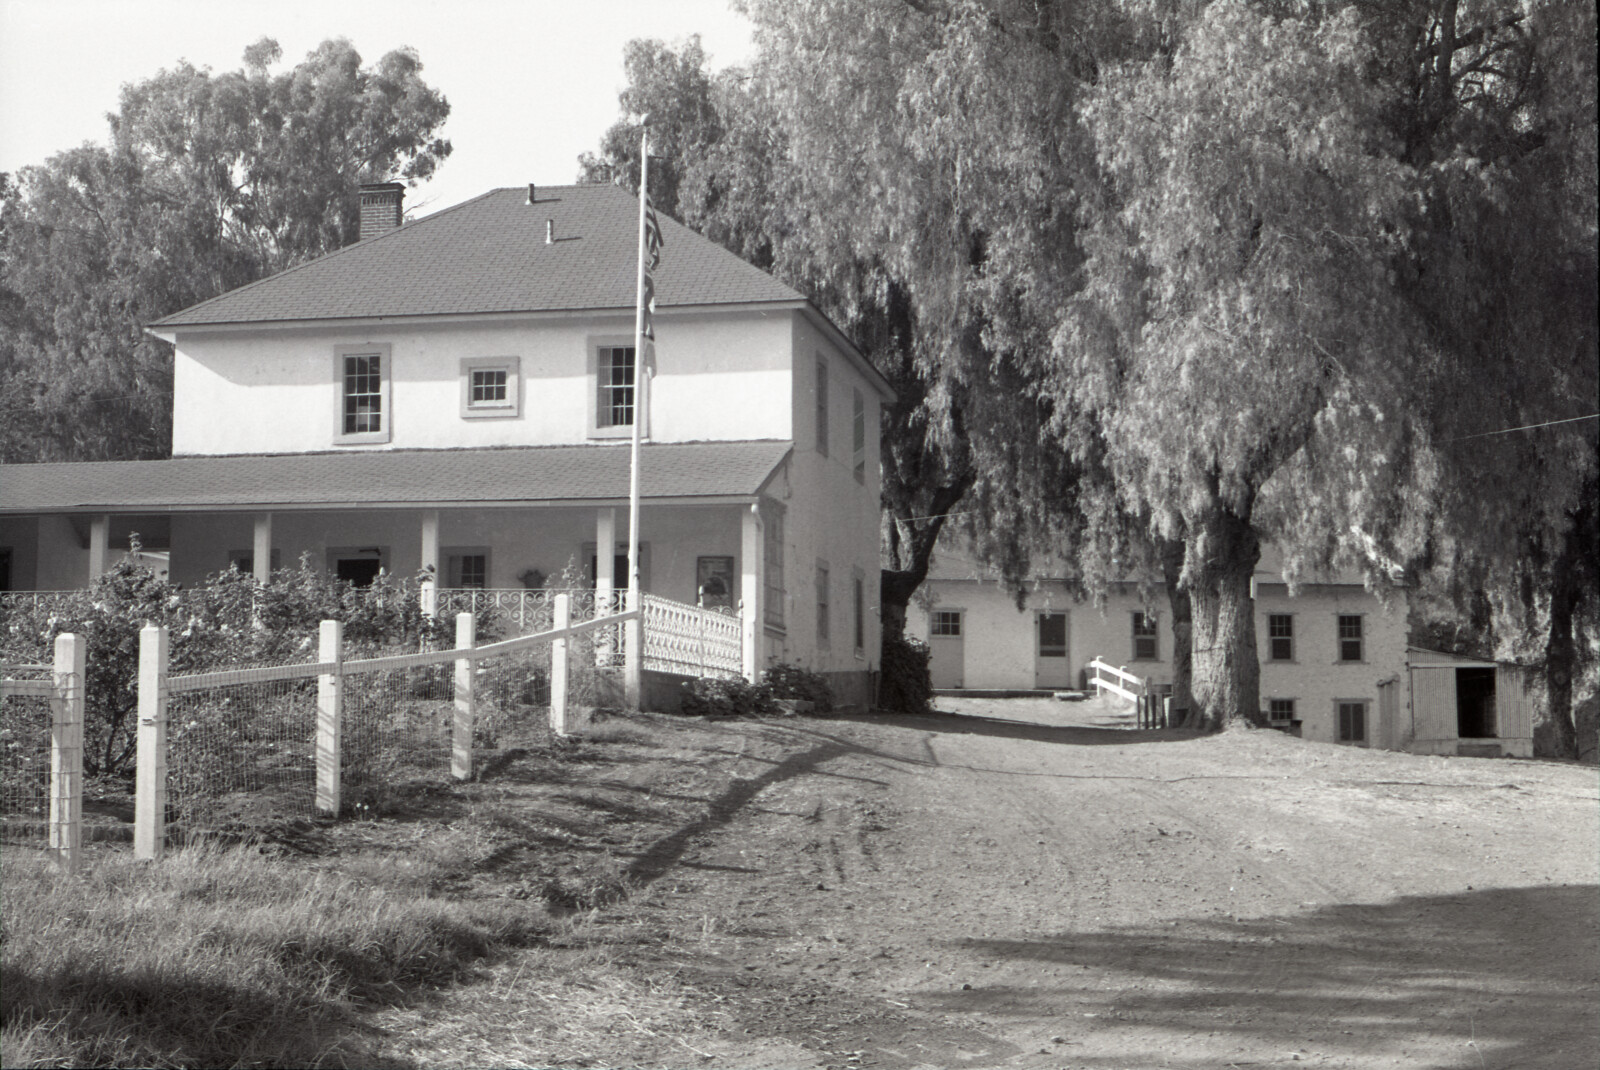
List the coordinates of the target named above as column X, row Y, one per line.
column 222, row 957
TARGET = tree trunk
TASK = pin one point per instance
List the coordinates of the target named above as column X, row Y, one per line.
column 1221, row 554
column 1559, row 653
column 895, row 589
column 1183, row 707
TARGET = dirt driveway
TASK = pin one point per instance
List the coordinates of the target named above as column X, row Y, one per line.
column 994, row 886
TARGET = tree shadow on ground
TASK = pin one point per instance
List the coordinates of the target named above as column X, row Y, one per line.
column 1502, row 977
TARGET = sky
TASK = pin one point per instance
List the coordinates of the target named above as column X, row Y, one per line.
column 531, row 84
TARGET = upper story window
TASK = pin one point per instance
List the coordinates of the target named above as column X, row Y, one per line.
column 1350, row 637
column 858, row 436
column 490, row 387
column 1145, row 645
column 612, row 394
column 1280, row 636
column 363, row 377
column 822, row 406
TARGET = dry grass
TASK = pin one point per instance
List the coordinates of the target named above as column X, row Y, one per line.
column 222, row 957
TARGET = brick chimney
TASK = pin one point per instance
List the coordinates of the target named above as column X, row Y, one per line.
column 380, row 208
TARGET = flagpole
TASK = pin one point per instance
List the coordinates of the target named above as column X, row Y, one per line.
column 634, row 656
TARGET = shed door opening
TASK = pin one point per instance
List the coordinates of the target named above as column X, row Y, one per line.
column 1475, row 704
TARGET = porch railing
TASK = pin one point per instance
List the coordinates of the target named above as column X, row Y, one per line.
column 522, row 610
column 1115, row 679
column 691, row 640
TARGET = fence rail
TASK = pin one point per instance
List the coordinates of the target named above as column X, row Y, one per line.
column 1112, row 678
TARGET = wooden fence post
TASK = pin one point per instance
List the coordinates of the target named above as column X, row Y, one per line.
column 561, row 613
column 150, row 785
column 66, row 750
column 330, row 717
column 461, row 728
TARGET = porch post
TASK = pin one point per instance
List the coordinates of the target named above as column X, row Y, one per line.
column 750, row 592
column 605, row 558
column 261, row 549
column 430, row 561
column 99, row 545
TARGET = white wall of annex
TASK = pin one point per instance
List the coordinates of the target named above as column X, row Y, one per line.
column 719, row 377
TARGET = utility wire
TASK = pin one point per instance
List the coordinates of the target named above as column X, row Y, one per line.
column 1525, row 427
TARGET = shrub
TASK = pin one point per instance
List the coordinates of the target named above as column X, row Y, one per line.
column 724, row 698
column 791, row 681
column 905, row 686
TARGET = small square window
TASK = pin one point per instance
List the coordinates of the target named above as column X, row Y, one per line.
column 1280, row 636
column 1352, row 722
column 1280, row 709
column 1146, row 645
column 946, row 623
column 1350, row 638
column 490, row 387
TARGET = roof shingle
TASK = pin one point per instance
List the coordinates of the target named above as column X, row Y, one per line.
column 586, row 473
column 489, row 255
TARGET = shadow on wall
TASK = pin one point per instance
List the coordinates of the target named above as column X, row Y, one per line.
column 1443, row 973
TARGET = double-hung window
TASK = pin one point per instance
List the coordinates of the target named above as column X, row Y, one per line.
column 1280, row 636
column 1145, row 644
column 858, row 436
column 362, row 374
column 772, row 565
column 823, row 607
column 1350, row 637
column 614, row 389
column 822, row 406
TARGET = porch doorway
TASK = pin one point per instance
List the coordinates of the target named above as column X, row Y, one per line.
column 1475, row 704
column 1051, row 667
column 360, row 571
column 947, row 657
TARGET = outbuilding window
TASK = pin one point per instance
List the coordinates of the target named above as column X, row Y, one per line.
column 1146, row 646
column 1350, row 637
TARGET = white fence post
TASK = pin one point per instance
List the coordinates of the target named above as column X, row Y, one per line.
column 461, row 728
column 330, row 717
column 633, row 652
column 561, row 612
column 66, row 750
column 150, row 785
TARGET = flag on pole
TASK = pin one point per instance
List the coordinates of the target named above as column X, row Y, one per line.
column 652, row 260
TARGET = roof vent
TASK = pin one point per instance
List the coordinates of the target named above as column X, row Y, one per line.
column 532, row 198
column 549, row 231
column 380, row 208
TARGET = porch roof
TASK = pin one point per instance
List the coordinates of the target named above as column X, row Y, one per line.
column 533, row 475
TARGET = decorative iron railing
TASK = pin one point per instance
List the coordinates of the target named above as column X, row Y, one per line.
column 520, row 611
column 692, row 640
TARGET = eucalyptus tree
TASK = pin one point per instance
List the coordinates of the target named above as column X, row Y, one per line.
column 208, row 181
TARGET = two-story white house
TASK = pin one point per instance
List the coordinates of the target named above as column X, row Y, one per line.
column 457, row 393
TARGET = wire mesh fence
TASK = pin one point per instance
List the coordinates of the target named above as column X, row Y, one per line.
column 25, row 720
column 397, row 727
column 241, row 755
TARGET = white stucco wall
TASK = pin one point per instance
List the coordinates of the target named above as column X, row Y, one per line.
column 719, row 377
column 516, row 540
column 829, row 517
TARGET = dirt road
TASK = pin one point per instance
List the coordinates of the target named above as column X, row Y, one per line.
column 997, row 887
